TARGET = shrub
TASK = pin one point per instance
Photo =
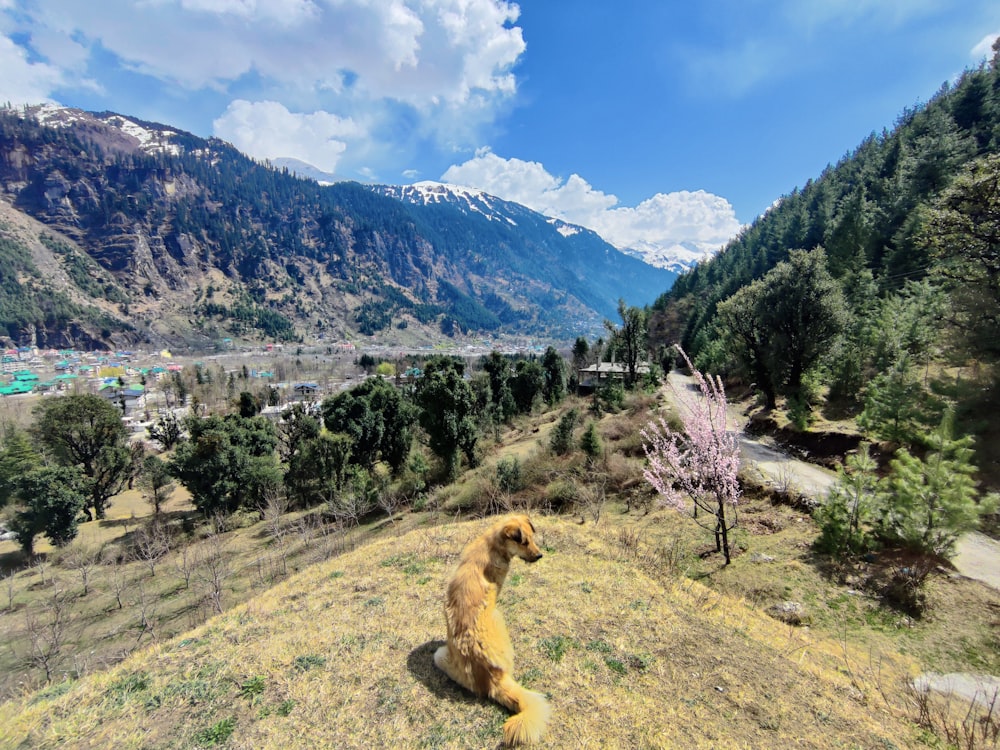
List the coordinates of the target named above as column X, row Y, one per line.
column 561, row 441
column 508, row 476
column 562, row 493
column 845, row 515
column 590, row 442
column 610, row 397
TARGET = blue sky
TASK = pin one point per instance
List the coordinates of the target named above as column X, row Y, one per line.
column 655, row 122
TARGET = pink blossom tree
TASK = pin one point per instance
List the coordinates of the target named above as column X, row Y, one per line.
column 695, row 468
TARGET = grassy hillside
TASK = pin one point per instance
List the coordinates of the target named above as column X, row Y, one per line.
column 340, row 656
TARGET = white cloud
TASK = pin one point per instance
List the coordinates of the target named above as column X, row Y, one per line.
column 416, row 72
column 984, row 50
column 25, row 82
column 267, row 129
column 285, row 12
column 699, row 221
column 418, row 51
column 818, row 15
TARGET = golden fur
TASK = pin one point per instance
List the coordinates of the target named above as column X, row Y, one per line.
column 479, row 655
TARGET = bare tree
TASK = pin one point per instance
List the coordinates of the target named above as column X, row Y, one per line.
column 593, row 497
column 145, row 603
column 118, row 580
column 151, row 544
column 214, row 569
column 42, row 566
column 273, row 513
column 47, row 630
column 9, row 580
column 83, row 560
column 185, row 562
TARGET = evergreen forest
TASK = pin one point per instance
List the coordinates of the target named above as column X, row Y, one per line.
column 872, row 292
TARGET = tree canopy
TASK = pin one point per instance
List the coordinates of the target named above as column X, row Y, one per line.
column 85, row 431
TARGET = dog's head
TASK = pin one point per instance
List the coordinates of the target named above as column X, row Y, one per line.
column 519, row 538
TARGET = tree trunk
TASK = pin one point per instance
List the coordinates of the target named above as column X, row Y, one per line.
column 722, row 532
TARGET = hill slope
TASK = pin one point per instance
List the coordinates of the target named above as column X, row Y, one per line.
column 867, row 211
column 341, row 656
column 191, row 241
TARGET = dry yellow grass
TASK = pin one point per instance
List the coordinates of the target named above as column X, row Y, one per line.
column 341, row 656
column 125, row 510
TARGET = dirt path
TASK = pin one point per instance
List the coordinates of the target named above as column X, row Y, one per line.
column 977, row 556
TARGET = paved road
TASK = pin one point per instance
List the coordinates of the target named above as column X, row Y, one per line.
column 977, row 556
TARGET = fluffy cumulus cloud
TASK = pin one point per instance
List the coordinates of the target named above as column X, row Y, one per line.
column 268, row 129
column 431, row 71
column 669, row 229
column 24, row 81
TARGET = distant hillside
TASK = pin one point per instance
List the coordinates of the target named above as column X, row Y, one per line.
column 574, row 258
column 161, row 236
column 341, row 656
column 867, row 211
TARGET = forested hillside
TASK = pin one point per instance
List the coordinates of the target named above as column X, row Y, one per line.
column 874, row 290
column 172, row 237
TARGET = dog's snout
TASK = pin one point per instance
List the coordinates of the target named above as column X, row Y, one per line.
column 535, row 558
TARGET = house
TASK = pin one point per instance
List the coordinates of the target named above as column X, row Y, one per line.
column 305, row 391
column 592, row 377
column 129, row 399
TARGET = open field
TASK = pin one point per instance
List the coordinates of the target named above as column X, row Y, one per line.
column 664, row 605
column 340, row 655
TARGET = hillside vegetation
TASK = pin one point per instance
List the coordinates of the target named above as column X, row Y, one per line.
column 341, row 656
column 872, row 291
column 179, row 239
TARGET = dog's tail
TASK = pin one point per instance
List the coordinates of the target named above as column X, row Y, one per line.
column 531, row 713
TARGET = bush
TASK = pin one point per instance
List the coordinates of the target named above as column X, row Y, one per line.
column 561, row 441
column 562, row 493
column 844, row 517
column 610, row 398
column 509, row 475
column 590, row 442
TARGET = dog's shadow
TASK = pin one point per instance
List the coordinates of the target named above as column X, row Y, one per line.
column 420, row 662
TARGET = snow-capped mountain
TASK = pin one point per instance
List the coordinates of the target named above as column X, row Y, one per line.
column 599, row 268
column 428, row 192
column 305, row 170
column 678, row 257
column 149, row 233
column 120, row 133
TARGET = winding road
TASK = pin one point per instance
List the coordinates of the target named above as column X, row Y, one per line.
column 976, row 556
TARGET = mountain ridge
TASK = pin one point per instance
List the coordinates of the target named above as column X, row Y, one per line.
column 202, row 242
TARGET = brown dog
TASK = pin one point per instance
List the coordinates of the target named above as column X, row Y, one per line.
column 479, row 655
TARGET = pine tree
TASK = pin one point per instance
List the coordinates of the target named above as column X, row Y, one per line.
column 927, row 504
column 892, row 404
column 590, row 442
column 845, row 514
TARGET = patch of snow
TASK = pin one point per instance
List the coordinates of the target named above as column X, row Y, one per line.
column 679, row 257
column 151, row 141
column 55, row 115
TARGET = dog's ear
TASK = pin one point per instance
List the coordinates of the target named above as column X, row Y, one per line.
column 513, row 532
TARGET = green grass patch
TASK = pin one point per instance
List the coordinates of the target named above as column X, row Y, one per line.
column 253, row 688
column 556, row 646
column 216, row 734
column 616, row 665
column 308, row 661
column 52, row 691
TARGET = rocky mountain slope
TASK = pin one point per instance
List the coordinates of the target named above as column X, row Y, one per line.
column 163, row 237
